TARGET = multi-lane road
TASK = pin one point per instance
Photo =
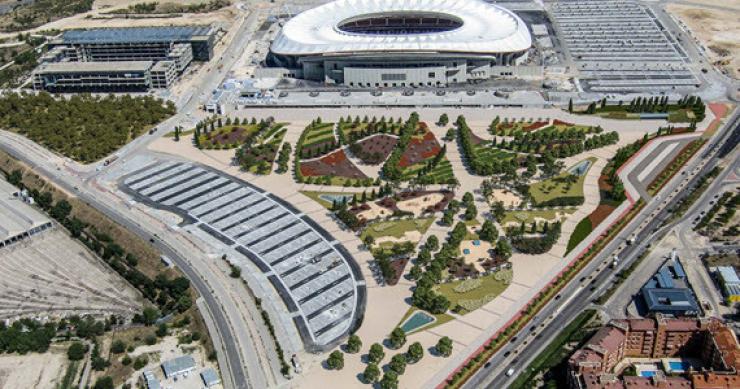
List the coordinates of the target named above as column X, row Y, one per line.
column 597, row 276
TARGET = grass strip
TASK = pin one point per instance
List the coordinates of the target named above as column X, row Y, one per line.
column 554, row 353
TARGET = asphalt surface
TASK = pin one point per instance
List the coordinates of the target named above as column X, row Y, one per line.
column 595, row 278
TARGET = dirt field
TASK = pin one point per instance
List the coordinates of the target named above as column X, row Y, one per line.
column 507, row 197
column 417, row 205
column 717, row 29
column 38, row 371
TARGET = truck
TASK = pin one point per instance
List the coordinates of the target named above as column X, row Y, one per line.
column 510, row 372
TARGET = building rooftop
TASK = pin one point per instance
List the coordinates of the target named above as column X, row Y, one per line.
column 210, row 377
column 656, row 382
column 728, row 274
column 178, row 365
column 610, row 338
column 134, row 34
column 94, row 67
column 16, row 217
column 670, row 299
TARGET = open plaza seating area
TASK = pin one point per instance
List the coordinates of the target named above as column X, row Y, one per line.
column 315, row 275
column 50, row 275
column 620, row 46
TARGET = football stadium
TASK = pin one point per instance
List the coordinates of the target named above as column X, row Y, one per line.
column 401, row 43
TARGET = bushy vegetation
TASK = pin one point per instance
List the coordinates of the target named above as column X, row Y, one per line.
column 84, row 127
column 535, row 243
column 168, row 7
column 39, row 12
column 391, row 169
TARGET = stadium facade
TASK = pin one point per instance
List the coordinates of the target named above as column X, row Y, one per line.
column 122, row 59
column 401, row 43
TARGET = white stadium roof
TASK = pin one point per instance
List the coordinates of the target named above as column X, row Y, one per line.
column 485, row 29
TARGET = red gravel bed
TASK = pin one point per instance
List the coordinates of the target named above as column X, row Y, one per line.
column 376, row 148
column 334, row 164
column 599, row 214
column 419, row 150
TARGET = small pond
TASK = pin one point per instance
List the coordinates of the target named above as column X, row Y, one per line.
column 580, row 168
column 417, row 320
column 335, row 197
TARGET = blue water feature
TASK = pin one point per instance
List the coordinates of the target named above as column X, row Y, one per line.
column 466, row 251
column 476, row 243
column 417, row 320
column 648, row 373
column 581, row 168
column 335, row 197
column 678, row 366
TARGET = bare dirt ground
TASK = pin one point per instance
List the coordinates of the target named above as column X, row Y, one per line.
column 97, row 18
column 33, row 370
column 717, row 29
column 417, row 205
column 507, row 197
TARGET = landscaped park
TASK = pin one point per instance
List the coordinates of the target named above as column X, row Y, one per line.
column 459, row 221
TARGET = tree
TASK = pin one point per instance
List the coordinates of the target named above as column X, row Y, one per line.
column 503, row 249
column 140, row 362
column 371, row 373
column 354, row 344
column 162, row 330
column 467, row 198
column 432, row 243
column 398, row 338
column 150, row 315
column 118, row 347
column 471, row 212
column 488, row 231
column 376, row 353
column 335, row 360
column 443, row 120
column 390, row 380
column 415, row 352
column 398, row 363
column 448, row 218
column 368, row 240
column 498, row 211
column 15, row 177
column 105, row 382
column 444, row 346
column 570, row 105
column 126, row 360
column 76, row 351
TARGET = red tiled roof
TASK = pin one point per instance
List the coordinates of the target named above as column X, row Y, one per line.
column 715, row 381
column 610, row 338
column 642, row 325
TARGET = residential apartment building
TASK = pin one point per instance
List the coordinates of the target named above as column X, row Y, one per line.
column 709, row 340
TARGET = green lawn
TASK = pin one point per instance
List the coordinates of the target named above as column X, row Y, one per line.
column 441, row 173
column 558, row 186
column 317, row 134
column 528, row 217
column 583, row 228
column 347, row 128
column 397, row 228
column 490, row 287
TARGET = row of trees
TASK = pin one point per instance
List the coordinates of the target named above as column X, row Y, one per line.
column 391, row 168
column 532, row 242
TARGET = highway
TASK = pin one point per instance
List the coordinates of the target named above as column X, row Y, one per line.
column 597, row 276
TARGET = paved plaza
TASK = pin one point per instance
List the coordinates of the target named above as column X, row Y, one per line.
column 314, row 274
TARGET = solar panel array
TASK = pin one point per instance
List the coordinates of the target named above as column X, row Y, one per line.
column 620, row 46
column 134, row 34
column 313, row 274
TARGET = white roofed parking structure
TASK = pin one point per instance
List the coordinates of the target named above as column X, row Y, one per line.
column 316, row 277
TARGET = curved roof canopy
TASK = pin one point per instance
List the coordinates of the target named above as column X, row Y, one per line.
column 458, row 26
